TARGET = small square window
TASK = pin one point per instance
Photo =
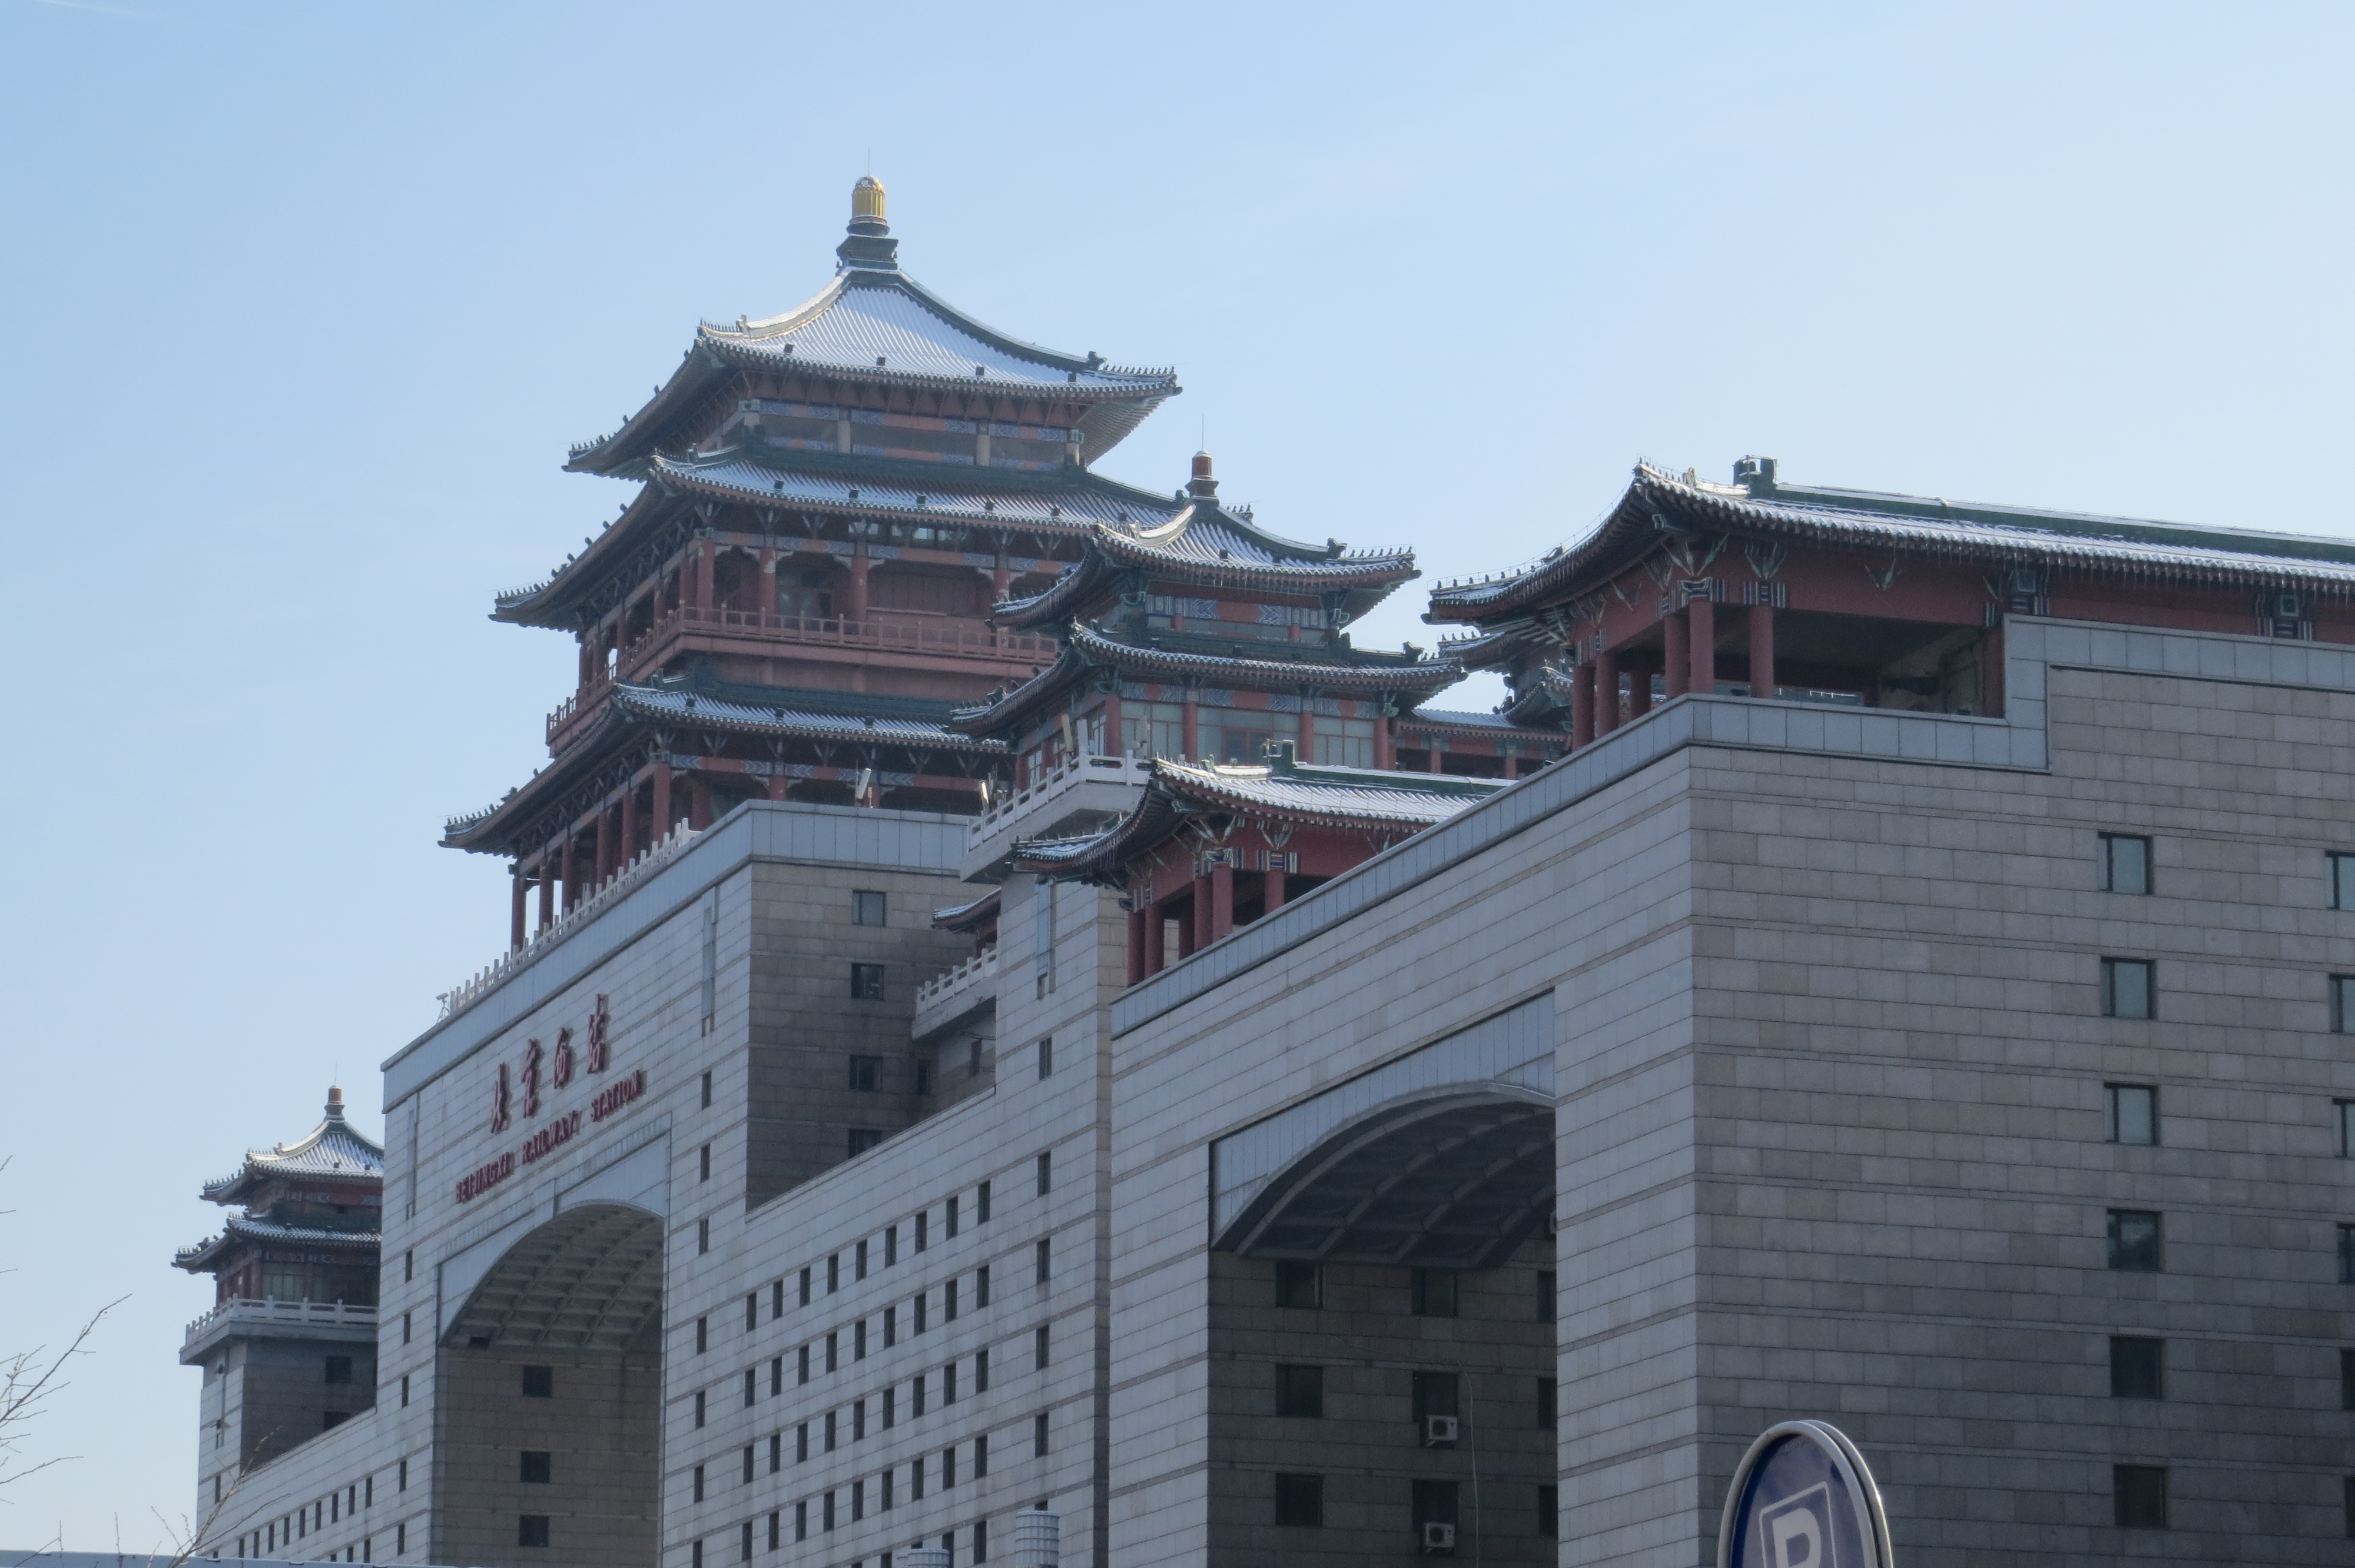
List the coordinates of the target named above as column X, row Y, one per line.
column 1434, row 1394
column 539, row 1382
column 339, row 1369
column 2133, row 1113
column 2139, row 1496
column 531, row 1530
column 1434, row 1293
column 867, row 982
column 867, row 1074
column 2135, row 1244
column 535, row 1466
column 1300, row 1391
column 2137, row 1368
column 2125, row 863
column 1299, row 1284
column 1300, row 1501
column 2127, row 988
column 2342, row 880
column 867, row 908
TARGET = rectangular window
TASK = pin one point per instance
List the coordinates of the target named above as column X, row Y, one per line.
column 1045, row 1171
column 2133, row 1113
column 746, row 1477
column 694, row 1555
column 891, row 1407
column 826, row 1511
column 702, row 1335
column 2138, row 1494
column 705, row 1164
column 924, row 1218
column 1434, row 1394
column 1300, row 1391
column 949, row 1300
column 1299, row 1501
column 891, row 1327
column 1038, row 1435
column 885, row 1480
column 803, row 1357
column 1046, row 1056
column 801, row 1444
column 980, row 1458
column 948, row 1383
column 699, row 1408
column 1046, row 1258
column 890, row 1246
column 744, row 1543
column 858, row 1340
column 1548, row 1403
column 2347, row 1379
column 2343, row 1112
column 1039, row 1347
column 698, row 1483
column 867, row 982
column 404, row 1328
column 949, row 1217
column 867, row 908
column 833, row 1429
column 833, row 1352
column 916, row 1395
column 865, row 1074
column 2346, row 1254
column 2342, row 1004
column 707, row 1091
column 858, row 1500
column 1434, row 1293
column 981, row 1370
column 858, row 1264
column 1546, row 1287
column 948, row 1469
column 702, row 1236
column 2125, row 863
column 858, row 1420
column 774, row 1519
column 2126, row 988
column 805, row 1287
column 2342, row 880
column 711, row 964
column 400, row 1538
column 751, row 1387
column 832, row 1272
column 404, row 1392
column 1549, row 1512
column 1434, row 1502
column 2135, row 1244
column 531, row 1530
column 776, row 1376
column 801, row 1521
column 401, row 1475
column 981, row 1540
column 776, row 1452
column 339, row 1369
column 751, row 1312
column 916, row 1479
column 981, row 1286
column 2136, row 1368
column 1299, row 1284
column 1344, row 742
column 776, row 1300
column 918, row 1301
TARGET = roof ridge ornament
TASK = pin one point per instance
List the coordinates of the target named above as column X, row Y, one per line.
column 868, row 245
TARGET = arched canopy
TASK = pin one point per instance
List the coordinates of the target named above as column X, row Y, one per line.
column 1453, row 1180
column 589, row 1280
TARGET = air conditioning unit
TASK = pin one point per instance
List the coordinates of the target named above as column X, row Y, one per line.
column 1440, row 1431
column 1438, row 1536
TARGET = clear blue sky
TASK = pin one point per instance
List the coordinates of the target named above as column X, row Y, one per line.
column 299, row 306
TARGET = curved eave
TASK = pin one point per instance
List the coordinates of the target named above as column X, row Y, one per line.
column 969, row 918
column 733, row 351
column 1067, row 667
column 2116, row 549
column 1112, row 554
column 1421, row 675
column 690, row 381
column 1471, row 728
column 550, row 603
column 721, row 717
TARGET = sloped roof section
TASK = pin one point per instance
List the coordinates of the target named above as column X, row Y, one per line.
column 197, row 1258
column 1350, row 799
column 686, row 706
column 332, row 1148
column 2121, row 548
column 739, row 474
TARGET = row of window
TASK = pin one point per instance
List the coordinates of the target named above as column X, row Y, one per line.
column 1300, row 1393
column 2138, row 1244
column 1432, row 1292
column 926, row 1474
column 332, row 1507
column 363, row 1552
column 2124, row 861
column 1434, row 1508
column 979, row 1534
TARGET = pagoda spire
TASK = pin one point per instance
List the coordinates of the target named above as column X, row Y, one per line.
column 868, row 245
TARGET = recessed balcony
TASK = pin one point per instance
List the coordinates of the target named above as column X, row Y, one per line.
column 1079, row 796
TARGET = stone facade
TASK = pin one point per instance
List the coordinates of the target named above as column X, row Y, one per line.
column 1821, row 1028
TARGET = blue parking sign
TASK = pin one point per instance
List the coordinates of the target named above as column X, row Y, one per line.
column 1803, row 1498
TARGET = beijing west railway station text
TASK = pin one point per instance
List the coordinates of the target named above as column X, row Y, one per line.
column 1016, row 1027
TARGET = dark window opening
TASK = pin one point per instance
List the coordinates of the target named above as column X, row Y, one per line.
column 539, row 1382
column 1300, row 1391
column 1300, row 1501
column 2139, row 1496
column 1299, row 1284
column 1434, row 1293
column 2135, row 1244
column 2136, row 1367
column 534, row 1470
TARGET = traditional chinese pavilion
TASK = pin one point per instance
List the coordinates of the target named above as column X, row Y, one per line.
column 1194, row 633
column 1212, row 846
column 1821, row 595
column 289, row 1347
column 796, row 595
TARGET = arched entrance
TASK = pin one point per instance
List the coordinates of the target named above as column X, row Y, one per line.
column 1381, row 1314
column 548, row 1409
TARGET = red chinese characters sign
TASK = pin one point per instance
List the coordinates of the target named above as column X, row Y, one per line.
column 552, row 1070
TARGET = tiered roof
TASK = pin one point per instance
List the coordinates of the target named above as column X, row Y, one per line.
column 332, row 1148
column 1387, row 806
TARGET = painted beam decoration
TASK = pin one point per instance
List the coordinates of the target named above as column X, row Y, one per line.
column 1803, row 1498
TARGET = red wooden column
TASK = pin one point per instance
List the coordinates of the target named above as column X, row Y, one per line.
column 629, row 821
column 1435, row 756
column 1582, row 705
column 1274, row 896
column 516, row 915
column 1136, row 918
column 1640, row 685
column 1307, row 753
column 1222, row 900
column 857, row 609
column 1512, row 765
column 1001, row 582
column 604, row 845
column 768, row 604
column 662, row 800
column 1201, row 921
column 572, row 872
column 778, row 783
column 1703, row 638
column 1385, row 744
column 1157, row 940
column 1675, row 631
column 698, row 802
column 1606, row 693
column 1762, row 650
column 706, row 554
column 1191, row 729
column 547, row 889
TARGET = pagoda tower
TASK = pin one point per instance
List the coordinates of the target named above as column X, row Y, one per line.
column 289, row 1348
column 795, row 598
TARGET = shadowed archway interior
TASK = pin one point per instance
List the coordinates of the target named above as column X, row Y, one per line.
column 589, row 1280
column 1453, row 1183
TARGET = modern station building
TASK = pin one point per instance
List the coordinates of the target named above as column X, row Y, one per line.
column 1009, row 1013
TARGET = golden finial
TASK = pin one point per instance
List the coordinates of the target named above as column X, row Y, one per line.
column 866, row 199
